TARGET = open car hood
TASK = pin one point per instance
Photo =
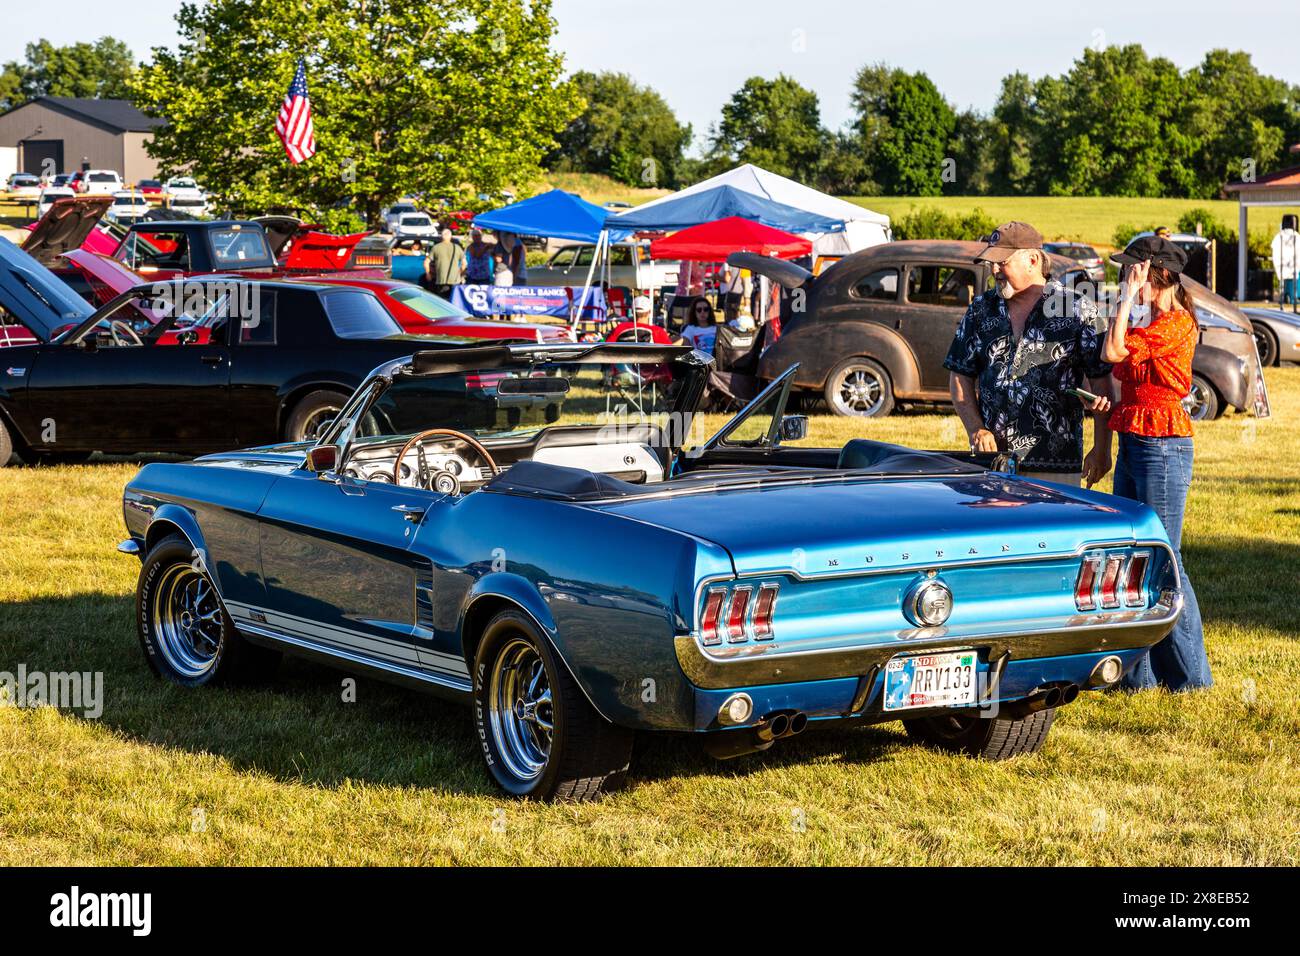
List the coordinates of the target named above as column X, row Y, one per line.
column 38, row 298
column 279, row 230
column 321, row 251
column 104, row 270
column 783, row 273
column 65, row 227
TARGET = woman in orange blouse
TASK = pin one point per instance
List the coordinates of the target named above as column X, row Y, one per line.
column 1153, row 364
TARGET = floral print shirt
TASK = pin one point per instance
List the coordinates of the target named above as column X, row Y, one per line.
column 1021, row 382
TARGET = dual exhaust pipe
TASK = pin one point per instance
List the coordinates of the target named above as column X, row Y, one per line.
column 775, row 726
column 1054, row 695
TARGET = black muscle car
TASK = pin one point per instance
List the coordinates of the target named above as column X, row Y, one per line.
column 185, row 366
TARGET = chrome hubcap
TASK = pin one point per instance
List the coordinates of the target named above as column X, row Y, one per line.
column 317, row 421
column 187, row 621
column 520, row 709
column 860, row 392
column 1195, row 403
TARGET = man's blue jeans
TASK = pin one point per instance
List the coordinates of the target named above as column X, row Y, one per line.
column 1158, row 472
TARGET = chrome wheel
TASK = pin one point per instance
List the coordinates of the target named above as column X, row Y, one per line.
column 1198, row 401
column 520, row 709
column 316, row 423
column 859, row 391
column 187, row 620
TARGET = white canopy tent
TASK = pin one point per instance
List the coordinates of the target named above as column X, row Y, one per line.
column 863, row 228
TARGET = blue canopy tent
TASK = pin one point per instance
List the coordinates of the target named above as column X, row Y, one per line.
column 709, row 205
column 556, row 215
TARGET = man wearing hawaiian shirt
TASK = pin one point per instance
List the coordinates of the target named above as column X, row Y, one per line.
column 1017, row 349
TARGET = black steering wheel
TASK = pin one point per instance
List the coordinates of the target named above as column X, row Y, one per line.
column 441, row 481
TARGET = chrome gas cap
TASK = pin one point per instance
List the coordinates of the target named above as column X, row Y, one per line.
column 928, row 602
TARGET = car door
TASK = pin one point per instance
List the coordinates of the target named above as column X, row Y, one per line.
column 340, row 573
column 112, row 386
column 936, row 296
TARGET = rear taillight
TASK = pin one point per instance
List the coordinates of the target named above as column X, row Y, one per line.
column 1134, row 595
column 763, row 612
column 1110, row 581
column 709, row 619
column 1083, row 586
column 736, row 614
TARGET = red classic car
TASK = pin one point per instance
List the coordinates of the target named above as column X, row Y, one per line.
column 420, row 312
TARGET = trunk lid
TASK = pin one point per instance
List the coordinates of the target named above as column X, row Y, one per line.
column 867, row 524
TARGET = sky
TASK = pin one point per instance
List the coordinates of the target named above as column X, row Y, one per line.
column 696, row 53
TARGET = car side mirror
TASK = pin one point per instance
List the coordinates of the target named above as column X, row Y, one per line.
column 794, row 427
column 322, row 458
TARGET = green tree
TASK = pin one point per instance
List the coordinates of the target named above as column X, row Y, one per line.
column 775, row 124
column 447, row 98
column 906, row 130
column 94, row 70
column 625, row 130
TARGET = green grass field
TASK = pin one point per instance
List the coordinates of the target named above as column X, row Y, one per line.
column 290, row 774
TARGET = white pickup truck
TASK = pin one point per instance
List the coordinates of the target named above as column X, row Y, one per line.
column 630, row 267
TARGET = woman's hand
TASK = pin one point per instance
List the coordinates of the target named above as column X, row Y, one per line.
column 1099, row 406
column 1135, row 277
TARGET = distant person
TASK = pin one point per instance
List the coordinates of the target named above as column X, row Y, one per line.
column 1286, row 258
column 701, row 328
column 502, row 273
column 642, row 310
column 479, row 269
column 445, row 265
column 1154, row 367
column 1017, row 350
column 516, row 258
column 735, row 288
column 1163, row 232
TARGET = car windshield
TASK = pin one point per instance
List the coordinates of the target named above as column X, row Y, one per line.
column 416, row 221
column 426, row 303
column 102, row 178
column 235, row 247
column 476, row 403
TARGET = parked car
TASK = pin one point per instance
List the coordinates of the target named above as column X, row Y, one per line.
column 1277, row 334
column 416, row 225
column 182, row 187
column 420, row 312
column 630, row 267
column 152, row 189
column 196, row 206
column 874, row 329
column 23, row 186
column 1083, row 256
column 394, row 213
column 434, row 536
column 47, row 196
column 128, row 206
column 281, row 359
column 97, row 182
column 62, row 179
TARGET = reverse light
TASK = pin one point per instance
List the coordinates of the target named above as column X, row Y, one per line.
column 1083, row 586
column 736, row 614
column 1134, row 595
column 712, row 613
column 1110, row 581
column 763, row 605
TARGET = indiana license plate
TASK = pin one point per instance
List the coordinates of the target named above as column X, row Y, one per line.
column 931, row 680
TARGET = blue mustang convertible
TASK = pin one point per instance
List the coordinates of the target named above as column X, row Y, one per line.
column 539, row 531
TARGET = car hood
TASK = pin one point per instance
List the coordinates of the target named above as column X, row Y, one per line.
column 65, row 227
column 861, row 524
column 321, row 250
column 117, row 277
column 37, row 297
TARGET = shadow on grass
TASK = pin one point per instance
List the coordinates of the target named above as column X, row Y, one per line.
column 299, row 728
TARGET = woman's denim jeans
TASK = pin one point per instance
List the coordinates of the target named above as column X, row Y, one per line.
column 1158, row 472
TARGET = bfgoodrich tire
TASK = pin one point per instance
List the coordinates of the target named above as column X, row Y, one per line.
column 541, row 739
column 185, row 632
column 859, row 387
column 992, row 738
column 313, row 412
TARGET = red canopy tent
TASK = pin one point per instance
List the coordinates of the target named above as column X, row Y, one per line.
column 714, row 241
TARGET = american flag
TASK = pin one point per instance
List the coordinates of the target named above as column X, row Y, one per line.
column 294, row 122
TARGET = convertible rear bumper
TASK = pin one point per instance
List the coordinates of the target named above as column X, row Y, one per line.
column 756, row 665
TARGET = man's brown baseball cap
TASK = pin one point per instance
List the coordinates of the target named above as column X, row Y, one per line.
column 1007, row 239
